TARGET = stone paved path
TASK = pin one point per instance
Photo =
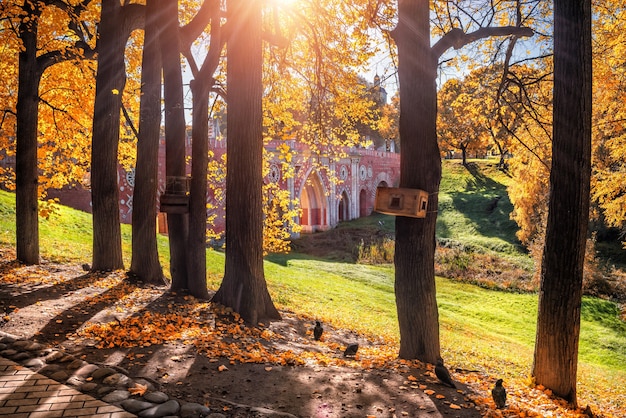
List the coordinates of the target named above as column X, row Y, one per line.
column 26, row 394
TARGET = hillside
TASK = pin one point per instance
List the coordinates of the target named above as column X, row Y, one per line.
column 476, row 237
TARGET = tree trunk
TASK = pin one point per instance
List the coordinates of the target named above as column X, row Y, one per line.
column 26, row 173
column 145, row 256
column 110, row 80
column 197, row 204
column 502, row 151
column 175, row 136
column 244, row 287
column 420, row 166
column 558, row 324
column 464, row 154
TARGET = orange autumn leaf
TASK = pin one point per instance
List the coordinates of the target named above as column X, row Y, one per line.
column 412, row 378
column 454, row 406
column 138, row 389
column 222, row 368
column 429, row 392
column 440, row 396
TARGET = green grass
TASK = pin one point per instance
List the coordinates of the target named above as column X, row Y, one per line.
column 481, row 329
column 465, row 215
column 66, row 236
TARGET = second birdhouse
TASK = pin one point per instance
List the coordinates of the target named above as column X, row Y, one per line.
column 176, row 196
column 401, row 202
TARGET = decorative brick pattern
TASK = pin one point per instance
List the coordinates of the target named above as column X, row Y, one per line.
column 26, row 394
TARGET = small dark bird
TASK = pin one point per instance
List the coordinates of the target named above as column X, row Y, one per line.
column 588, row 412
column 318, row 331
column 351, row 350
column 443, row 374
column 498, row 393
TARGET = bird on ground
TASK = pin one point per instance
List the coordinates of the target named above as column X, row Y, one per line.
column 351, row 350
column 443, row 374
column 317, row 331
column 588, row 412
column 498, row 393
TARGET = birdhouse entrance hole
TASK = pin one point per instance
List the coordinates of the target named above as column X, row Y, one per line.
column 401, row 202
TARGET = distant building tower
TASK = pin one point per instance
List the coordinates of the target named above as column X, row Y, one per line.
column 379, row 91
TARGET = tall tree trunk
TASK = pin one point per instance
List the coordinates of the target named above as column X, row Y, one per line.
column 464, row 155
column 244, row 287
column 175, row 136
column 420, row 166
column 558, row 324
column 110, row 80
column 196, row 248
column 145, row 256
column 26, row 173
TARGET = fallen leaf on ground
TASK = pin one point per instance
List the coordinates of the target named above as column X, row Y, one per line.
column 138, row 389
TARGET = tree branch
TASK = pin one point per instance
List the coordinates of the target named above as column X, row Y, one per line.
column 133, row 18
column 457, row 39
column 130, row 121
column 192, row 30
column 50, row 58
column 275, row 39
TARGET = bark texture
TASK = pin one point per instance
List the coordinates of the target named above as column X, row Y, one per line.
column 145, row 256
column 244, row 287
column 110, row 81
column 558, row 324
column 175, row 136
column 198, row 194
column 200, row 88
column 420, row 166
column 26, row 174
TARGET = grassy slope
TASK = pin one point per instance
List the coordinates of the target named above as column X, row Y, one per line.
column 480, row 329
column 464, row 216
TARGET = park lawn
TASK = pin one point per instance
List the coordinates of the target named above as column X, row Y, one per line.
column 486, row 330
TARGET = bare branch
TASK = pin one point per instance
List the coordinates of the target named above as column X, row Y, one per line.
column 130, row 121
column 457, row 39
column 192, row 30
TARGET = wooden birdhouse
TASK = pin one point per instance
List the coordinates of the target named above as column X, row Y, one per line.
column 176, row 196
column 401, row 202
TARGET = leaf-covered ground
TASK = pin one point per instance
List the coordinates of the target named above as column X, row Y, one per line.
column 200, row 352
